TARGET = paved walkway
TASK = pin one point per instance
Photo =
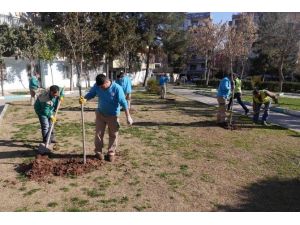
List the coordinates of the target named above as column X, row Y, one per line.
column 284, row 120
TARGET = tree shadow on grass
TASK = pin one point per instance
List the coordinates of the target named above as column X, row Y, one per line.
column 175, row 124
column 30, row 144
column 17, row 154
column 271, row 195
column 77, row 108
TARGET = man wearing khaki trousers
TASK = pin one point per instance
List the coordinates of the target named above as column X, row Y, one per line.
column 110, row 97
column 222, row 96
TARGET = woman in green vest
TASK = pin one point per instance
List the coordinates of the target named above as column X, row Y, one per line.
column 237, row 94
column 33, row 87
column 262, row 97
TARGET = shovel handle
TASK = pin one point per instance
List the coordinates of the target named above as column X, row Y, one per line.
column 52, row 126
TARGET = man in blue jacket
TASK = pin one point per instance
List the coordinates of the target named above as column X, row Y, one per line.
column 163, row 80
column 110, row 97
column 222, row 96
column 125, row 83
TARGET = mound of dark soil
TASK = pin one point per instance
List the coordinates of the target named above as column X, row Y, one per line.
column 43, row 167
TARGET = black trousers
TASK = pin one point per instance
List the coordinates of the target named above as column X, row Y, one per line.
column 237, row 96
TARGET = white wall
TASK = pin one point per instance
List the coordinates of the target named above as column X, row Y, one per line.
column 17, row 79
column 138, row 77
column 16, row 74
column 59, row 74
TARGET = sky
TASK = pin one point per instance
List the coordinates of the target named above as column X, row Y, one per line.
column 221, row 16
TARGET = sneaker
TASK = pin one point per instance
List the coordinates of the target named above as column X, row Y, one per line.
column 264, row 123
column 99, row 155
column 246, row 112
column 224, row 125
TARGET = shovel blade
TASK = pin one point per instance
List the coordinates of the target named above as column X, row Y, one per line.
column 43, row 149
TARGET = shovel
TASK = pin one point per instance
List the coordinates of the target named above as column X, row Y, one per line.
column 42, row 147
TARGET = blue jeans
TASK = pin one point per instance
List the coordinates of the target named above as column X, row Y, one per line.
column 257, row 107
column 239, row 100
column 45, row 127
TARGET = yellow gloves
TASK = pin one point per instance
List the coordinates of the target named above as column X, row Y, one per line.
column 61, row 98
column 53, row 119
column 82, row 100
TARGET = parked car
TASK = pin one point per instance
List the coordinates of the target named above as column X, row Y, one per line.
column 195, row 78
column 270, row 77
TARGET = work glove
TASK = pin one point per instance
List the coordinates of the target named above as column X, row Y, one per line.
column 53, row 119
column 61, row 98
column 82, row 100
column 276, row 100
column 129, row 120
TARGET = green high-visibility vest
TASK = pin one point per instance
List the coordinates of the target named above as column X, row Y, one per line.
column 238, row 86
column 262, row 98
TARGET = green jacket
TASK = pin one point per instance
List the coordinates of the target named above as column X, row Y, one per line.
column 46, row 105
column 33, row 83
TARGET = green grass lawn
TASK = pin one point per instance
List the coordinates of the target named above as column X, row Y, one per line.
column 173, row 158
column 284, row 102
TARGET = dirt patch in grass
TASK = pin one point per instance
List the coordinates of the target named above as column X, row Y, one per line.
column 42, row 168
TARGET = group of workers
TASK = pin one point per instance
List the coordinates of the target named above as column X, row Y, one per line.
column 230, row 89
column 112, row 95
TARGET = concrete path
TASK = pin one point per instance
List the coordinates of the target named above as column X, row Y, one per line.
column 284, row 120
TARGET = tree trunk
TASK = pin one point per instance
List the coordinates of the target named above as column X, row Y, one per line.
column 147, row 67
column 71, row 76
column 231, row 66
column 51, row 72
column 107, row 65
column 2, row 80
column 81, row 74
column 88, row 78
column 243, row 68
column 31, row 67
column 205, row 71
column 280, row 73
column 208, row 75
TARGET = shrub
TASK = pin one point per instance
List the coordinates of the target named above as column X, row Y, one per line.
column 152, row 86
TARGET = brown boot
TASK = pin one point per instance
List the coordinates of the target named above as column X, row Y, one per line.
column 99, row 155
column 111, row 156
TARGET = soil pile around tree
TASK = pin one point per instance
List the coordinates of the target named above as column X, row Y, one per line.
column 43, row 167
